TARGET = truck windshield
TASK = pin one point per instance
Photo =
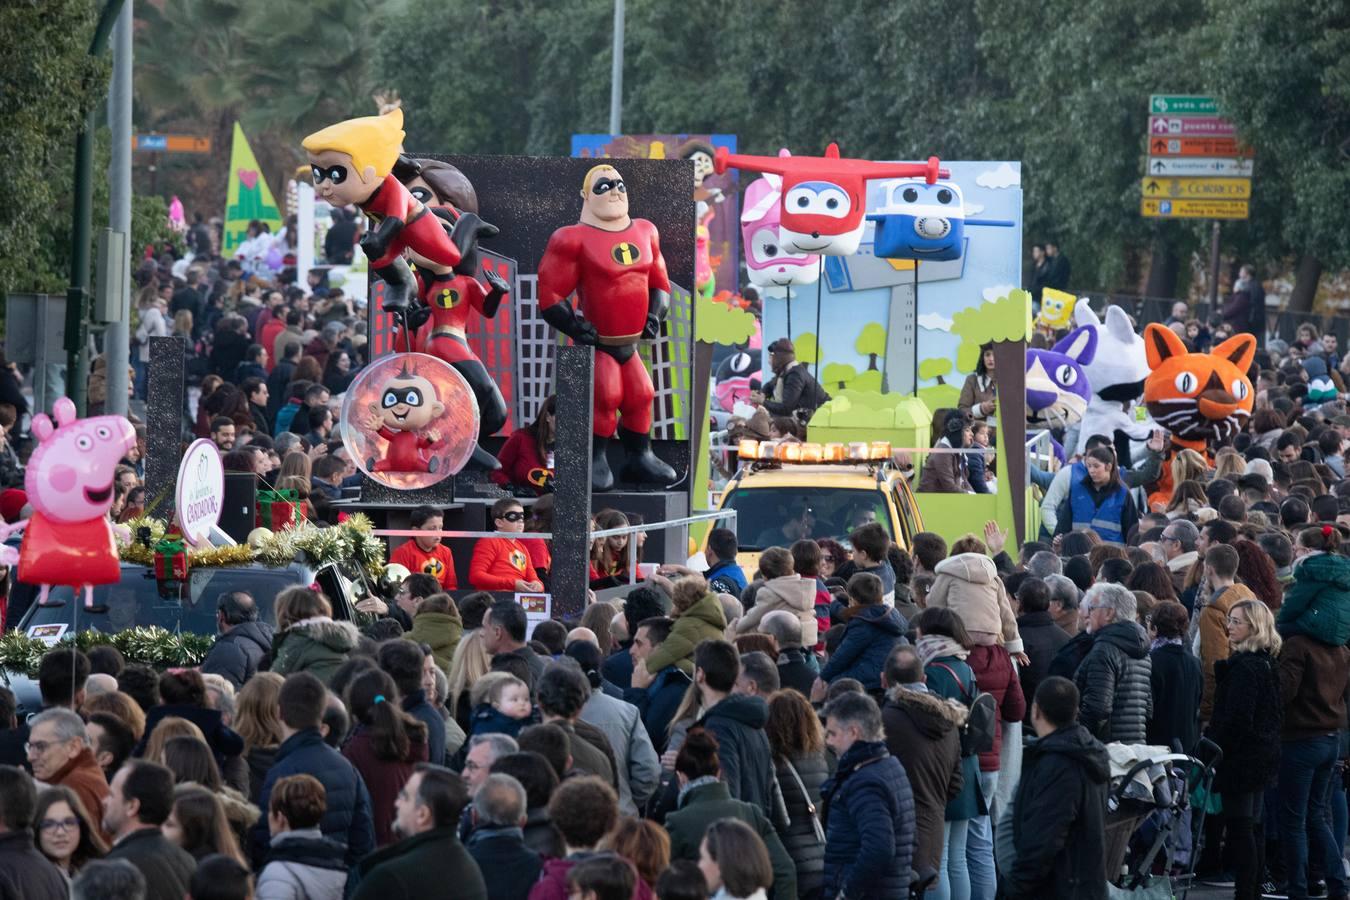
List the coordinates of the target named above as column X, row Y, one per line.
column 137, row 600
column 781, row 516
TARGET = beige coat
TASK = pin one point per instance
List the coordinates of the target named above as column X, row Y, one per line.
column 790, row 593
column 968, row 585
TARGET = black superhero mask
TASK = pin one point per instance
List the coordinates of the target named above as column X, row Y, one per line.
column 605, row 185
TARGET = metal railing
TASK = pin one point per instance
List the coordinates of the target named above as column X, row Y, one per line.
column 708, row 516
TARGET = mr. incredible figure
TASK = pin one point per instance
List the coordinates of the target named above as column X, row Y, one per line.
column 408, row 404
column 353, row 162
column 614, row 264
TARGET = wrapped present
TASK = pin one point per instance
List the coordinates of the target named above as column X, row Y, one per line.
column 277, row 509
column 171, row 562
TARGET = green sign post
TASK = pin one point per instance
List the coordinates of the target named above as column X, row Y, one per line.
column 1182, row 105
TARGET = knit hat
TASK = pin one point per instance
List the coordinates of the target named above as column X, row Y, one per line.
column 12, row 502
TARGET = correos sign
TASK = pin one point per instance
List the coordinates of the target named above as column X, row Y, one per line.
column 201, row 490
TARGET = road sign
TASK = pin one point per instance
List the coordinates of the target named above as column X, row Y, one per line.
column 171, row 143
column 1193, row 209
column 1183, row 105
column 1189, row 126
column 1175, row 146
column 1198, row 188
column 1200, row 166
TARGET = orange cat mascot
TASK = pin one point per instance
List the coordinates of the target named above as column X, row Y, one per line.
column 1201, row 398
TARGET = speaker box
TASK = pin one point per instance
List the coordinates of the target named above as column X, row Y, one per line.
column 238, row 514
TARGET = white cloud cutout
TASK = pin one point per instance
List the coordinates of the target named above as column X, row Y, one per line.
column 1005, row 176
column 935, row 322
column 999, row 290
column 974, row 209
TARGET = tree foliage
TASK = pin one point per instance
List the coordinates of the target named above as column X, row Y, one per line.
column 49, row 86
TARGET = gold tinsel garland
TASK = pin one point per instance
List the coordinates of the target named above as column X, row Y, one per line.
column 349, row 541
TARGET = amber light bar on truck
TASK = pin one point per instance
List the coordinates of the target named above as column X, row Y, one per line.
column 796, row 452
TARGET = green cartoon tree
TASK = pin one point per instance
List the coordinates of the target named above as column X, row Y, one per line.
column 837, row 376
column 872, row 344
column 1005, row 319
column 935, row 368
column 718, row 323
column 808, row 350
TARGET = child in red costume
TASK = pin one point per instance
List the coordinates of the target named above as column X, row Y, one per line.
column 407, row 406
column 614, row 264
column 427, row 555
column 503, row 564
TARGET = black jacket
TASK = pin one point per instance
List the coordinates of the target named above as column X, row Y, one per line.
column 1070, row 656
column 1041, row 640
column 800, row 839
column 225, row 741
column 800, row 391
column 1178, row 683
column 167, row 867
column 25, row 874
column 658, row 702
column 618, row 669
column 1114, row 680
column 239, row 653
column 1059, row 819
column 1246, row 722
column 795, row 672
column 509, row 867
column 431, row 864
column 743, row 749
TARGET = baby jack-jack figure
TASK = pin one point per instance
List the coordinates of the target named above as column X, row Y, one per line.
column 613, row 262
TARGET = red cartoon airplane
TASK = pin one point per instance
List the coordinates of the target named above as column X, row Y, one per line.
column 825, row 197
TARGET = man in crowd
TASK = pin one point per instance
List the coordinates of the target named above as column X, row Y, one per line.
column 657, row 695
column 1059, row 817
column 792, row 389
column 504, row 632
column 244, row 643
column 497, row 844
column 25, row 874
column 59, row 753
column 1117, row 694
column 430, row 859
column 140, row 799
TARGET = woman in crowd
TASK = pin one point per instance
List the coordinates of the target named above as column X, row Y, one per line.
column 258, row 722
column 944, row 646
column 979, row 393
column 527, row 456
column 197, row 823
column 338, row 372
column 1176, row 676
column 798, row 746
column 1245, row 723
column 734, row 861
column 1098, row 500
column 64, row 831
column 308, row 639
column 385, row 745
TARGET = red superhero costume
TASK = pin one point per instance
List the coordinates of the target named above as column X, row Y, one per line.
column 404, row 453
column 421, row 231
column 450, row 298
column 613, row 273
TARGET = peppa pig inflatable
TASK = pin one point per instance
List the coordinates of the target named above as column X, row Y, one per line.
column 69, row 481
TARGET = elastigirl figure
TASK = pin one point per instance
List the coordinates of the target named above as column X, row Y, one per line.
column 450, row 295
column 408, row 404
column 614, row 264
column 353, row 162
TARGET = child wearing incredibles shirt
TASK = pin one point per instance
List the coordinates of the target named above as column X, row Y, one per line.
column 503, row 564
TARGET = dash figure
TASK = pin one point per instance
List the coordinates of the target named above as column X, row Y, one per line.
column 353, row 162
column 69, row 539
column 614, row 264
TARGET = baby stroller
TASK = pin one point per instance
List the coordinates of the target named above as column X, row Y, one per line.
column 1148, row 817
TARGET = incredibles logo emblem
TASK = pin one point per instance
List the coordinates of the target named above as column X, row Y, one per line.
column 625, row 254
column 518, row 560
column 448, row 298
column 433, row 567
